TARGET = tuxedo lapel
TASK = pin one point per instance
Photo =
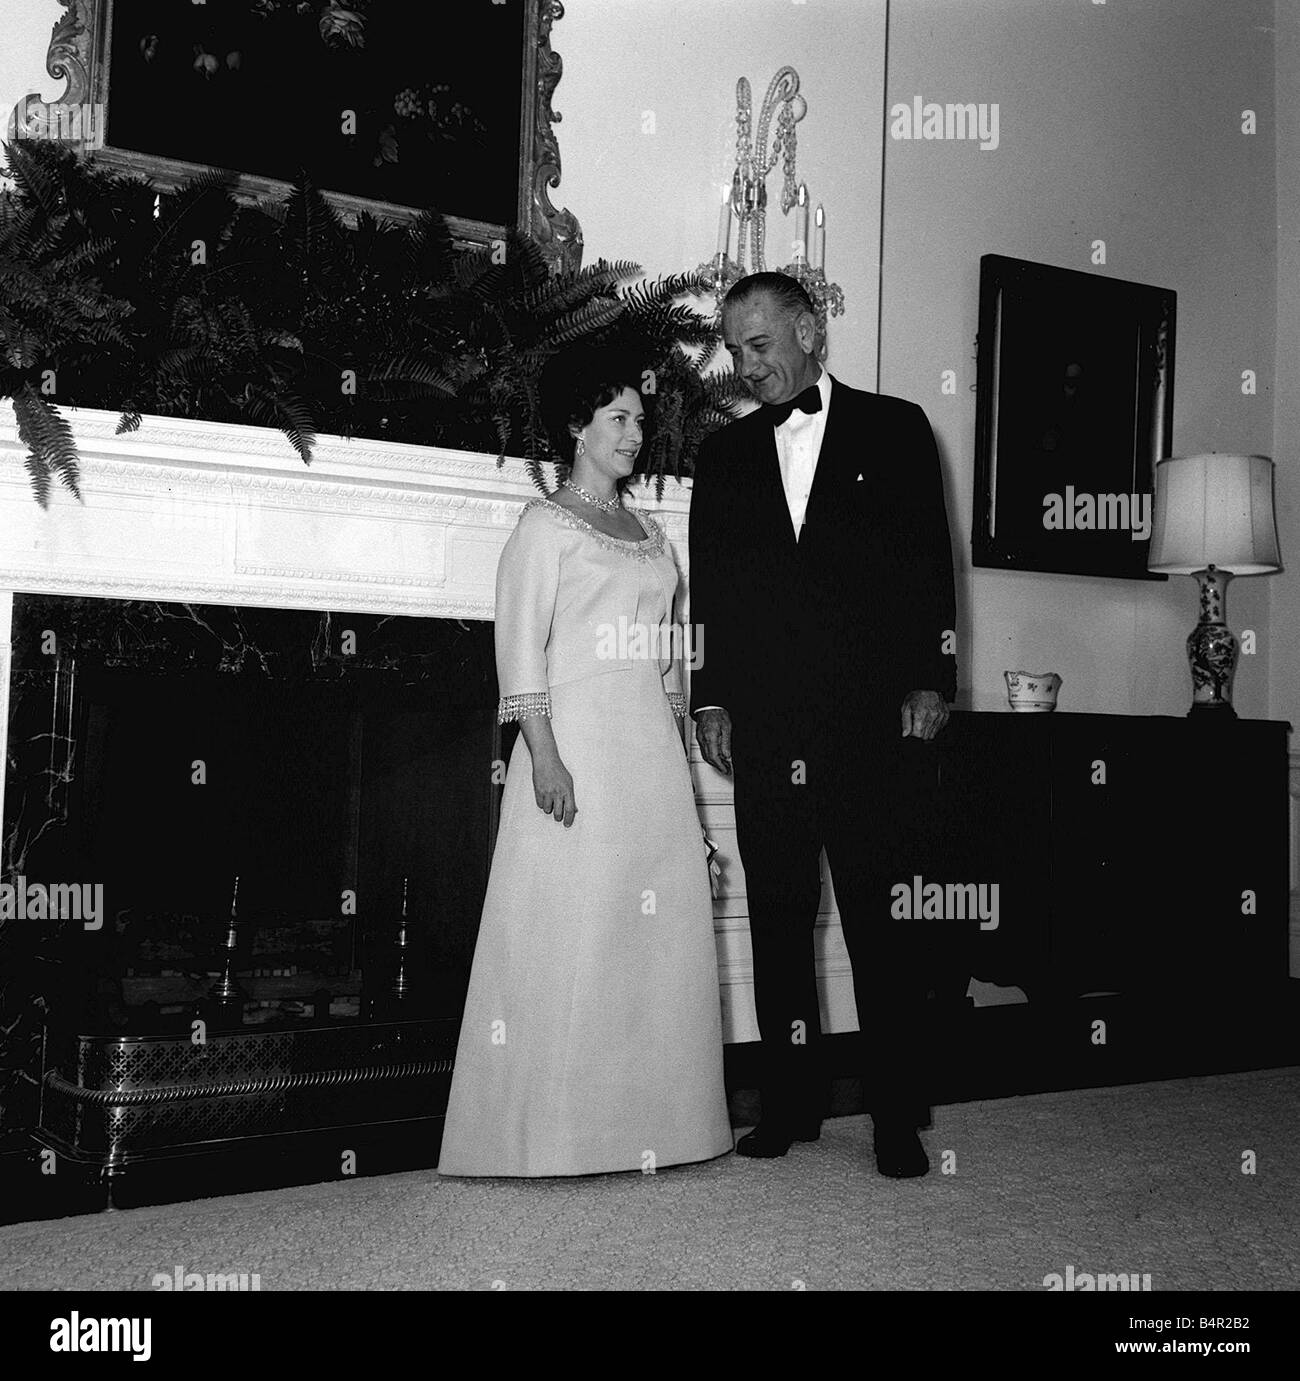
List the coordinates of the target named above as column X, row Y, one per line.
column 834, row 439
column 770, row 505
column 829, row 483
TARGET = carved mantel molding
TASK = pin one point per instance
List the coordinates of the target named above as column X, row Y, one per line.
column 200, row 511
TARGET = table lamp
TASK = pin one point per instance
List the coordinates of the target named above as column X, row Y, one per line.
column 1214, row 519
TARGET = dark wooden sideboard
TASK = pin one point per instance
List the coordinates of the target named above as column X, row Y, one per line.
column 1135, row 854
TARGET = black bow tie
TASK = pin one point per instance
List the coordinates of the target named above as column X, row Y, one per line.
column 810, row 400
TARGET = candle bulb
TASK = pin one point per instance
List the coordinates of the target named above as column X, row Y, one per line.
column 724, row 221
column 801, row 225
column 819, row 241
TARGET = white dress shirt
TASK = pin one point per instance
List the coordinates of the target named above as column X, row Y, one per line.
column 798, row 445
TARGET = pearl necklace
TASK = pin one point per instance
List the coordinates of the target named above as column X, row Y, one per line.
column 605, row 505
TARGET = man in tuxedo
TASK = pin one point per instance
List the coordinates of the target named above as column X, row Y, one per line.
column 821, row 581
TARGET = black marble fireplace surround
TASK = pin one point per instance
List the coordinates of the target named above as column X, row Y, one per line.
column 164, row 750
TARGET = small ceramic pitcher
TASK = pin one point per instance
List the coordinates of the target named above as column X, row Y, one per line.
column 1032, row 692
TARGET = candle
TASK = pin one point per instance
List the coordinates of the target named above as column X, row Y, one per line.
column 801, row 225
column 819, row 241
column 724, row 221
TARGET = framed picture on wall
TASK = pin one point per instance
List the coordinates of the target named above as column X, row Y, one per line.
column 1074, row 406
column 390, row 106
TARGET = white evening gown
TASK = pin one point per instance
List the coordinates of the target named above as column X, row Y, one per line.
column 591, row 1039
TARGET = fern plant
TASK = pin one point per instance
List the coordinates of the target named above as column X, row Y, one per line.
column 186, row 303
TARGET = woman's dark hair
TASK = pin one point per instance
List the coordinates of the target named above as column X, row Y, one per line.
column 579, row 381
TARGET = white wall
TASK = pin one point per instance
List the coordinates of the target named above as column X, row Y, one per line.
column 1118, row 121
column 651, row 195
column 26, row 27
column 1284, row 589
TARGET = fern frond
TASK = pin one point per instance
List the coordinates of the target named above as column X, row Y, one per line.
column 415, row 368
column 291, row 415
column 49, row 441
column 586, row 321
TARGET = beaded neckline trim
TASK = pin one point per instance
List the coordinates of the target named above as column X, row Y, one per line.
column 651, row 545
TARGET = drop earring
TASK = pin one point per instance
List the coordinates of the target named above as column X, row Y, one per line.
column 579, row 449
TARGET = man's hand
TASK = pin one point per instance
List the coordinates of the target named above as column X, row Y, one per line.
column 713, row 733
column 924, row 714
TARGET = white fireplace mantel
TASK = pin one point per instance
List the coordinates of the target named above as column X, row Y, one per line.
column 215, row 513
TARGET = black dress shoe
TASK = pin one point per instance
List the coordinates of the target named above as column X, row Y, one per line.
column 899, row 1153
column 766, row 1143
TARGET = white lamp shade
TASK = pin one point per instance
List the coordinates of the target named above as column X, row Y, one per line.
column 1214, row 510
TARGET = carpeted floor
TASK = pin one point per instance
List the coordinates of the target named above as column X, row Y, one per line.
column 1142, row 1179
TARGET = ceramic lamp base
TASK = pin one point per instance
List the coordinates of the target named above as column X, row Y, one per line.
column 1212, row 649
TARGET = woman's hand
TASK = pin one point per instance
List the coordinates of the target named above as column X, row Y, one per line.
column 553, row 788
column 552, row 785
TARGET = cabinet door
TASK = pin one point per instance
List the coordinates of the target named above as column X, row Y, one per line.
column 992, row 826
column 1168, row 849
column 1222, row 860
column 1102, row 887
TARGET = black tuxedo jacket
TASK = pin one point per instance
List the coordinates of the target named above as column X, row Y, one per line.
column 846, row 621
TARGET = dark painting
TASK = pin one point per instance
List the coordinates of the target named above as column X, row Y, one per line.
column 419, row 105
column 1074, row 408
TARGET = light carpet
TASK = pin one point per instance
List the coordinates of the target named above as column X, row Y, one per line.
column 1145, row 1179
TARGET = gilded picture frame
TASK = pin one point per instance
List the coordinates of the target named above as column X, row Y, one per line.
column 111, row 51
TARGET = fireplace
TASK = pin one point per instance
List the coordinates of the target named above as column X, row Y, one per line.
column 319, row 776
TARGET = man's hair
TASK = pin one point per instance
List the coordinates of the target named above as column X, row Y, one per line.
column 786, row 292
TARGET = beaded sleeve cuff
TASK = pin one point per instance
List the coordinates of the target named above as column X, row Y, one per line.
column 521, row 706
column 678, row 701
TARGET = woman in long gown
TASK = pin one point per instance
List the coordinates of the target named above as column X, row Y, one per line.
column 591, row 1039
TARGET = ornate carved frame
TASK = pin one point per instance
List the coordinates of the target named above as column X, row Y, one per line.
column 79, row 52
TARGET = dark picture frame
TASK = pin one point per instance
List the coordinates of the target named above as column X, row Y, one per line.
column 442, row 115
column 1074, row 406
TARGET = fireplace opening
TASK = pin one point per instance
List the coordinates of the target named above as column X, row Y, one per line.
column 332, row 777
